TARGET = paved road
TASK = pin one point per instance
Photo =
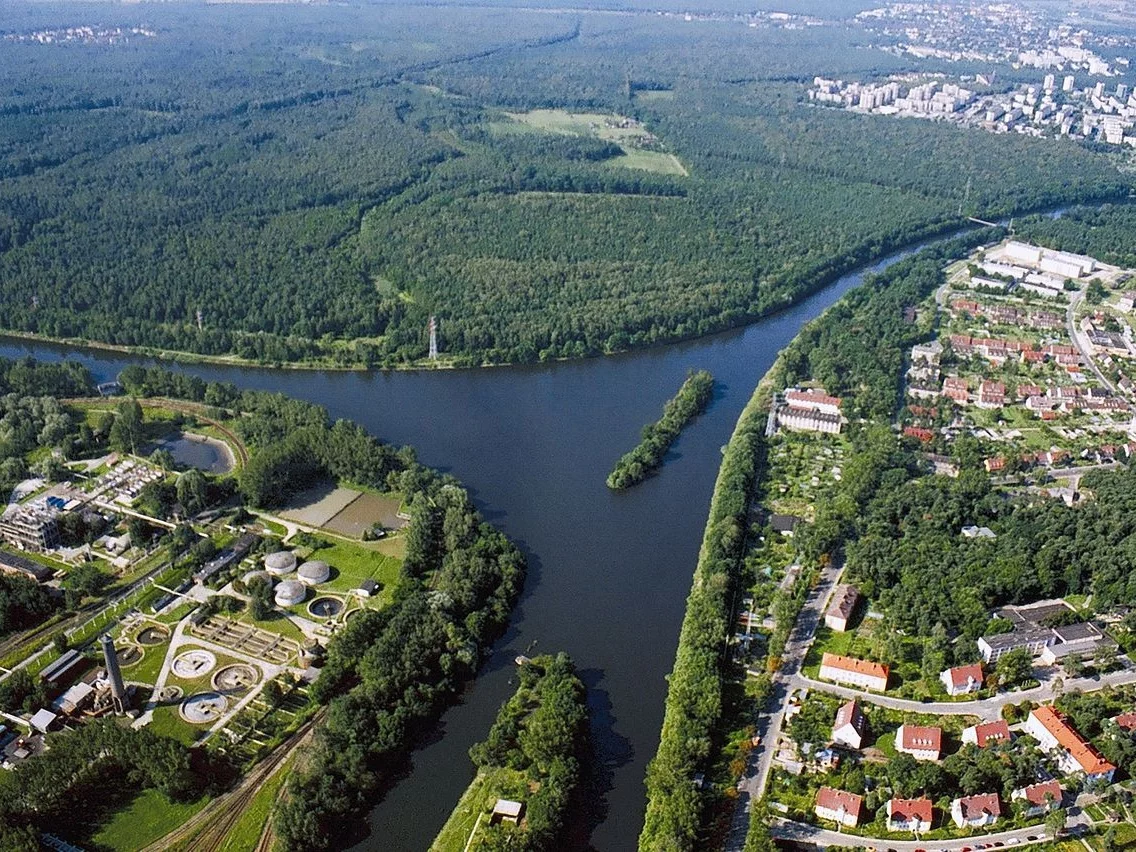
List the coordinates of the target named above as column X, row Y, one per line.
column 802, row 833
column 989, row 708
column 760, row 760
column 1079, row 341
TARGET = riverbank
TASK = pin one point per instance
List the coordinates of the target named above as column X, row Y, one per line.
column 823, row 276
column 535, row 443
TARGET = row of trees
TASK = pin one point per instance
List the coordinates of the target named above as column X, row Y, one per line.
column 690, row 401
column 541, row 732
column 694, row 695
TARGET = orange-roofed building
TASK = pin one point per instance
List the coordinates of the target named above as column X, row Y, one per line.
column 972, row 811
column 1050, row 728
column 861, row 673
column 1039, row 798
column 962, row 679
column 922, row 743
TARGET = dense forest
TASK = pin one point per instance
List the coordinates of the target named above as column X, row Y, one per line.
column 535, row 747
column 690, row 401
column 1108, row 233
column 298, row 184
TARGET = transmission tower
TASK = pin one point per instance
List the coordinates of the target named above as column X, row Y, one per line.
column 433, row 339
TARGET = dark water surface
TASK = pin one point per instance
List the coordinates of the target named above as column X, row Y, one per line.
column 609, row 573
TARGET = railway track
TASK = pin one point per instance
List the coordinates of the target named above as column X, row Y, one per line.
column 207, row 830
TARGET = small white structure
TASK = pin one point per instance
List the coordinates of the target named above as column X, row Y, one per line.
column 290, row 593
column 909, row 815
column 843, row 605
column 962, row 679
column 1039, row 798
column 280, row 563
column 314, row 572
column 42, row 720
column 838, row 806
column 987, row 733
column 507, row 810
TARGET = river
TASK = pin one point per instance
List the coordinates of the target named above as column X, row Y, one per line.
column 609, row 572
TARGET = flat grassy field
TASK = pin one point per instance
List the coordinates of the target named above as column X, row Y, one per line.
column 352, row 563
column 147, row 818
column 599, row 126
column 649, row 161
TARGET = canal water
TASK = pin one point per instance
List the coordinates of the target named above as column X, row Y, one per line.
column 609, row 572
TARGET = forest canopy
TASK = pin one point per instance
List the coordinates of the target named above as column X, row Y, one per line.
column 269, row 184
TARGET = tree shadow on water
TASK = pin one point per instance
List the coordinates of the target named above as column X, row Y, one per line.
column 609, row 751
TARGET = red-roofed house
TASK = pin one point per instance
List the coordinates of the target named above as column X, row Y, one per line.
column 814, row 399
column 922, row 743
column 1049, row 727
column 850, row 725
column 909, row 814
column 838, row 806
column 970, row 811
column 1127, row 721
column 962, row 679
column 849, row 670
column 991, row 395
column 1039, row 798
column 987, row 733
column 841, row 609
column 1027, row 391
column 924, row 435
column 955, row 389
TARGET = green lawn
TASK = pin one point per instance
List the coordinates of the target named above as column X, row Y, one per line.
column 168, row 723
column 352, row 563
column 479, row 797
column 649, row 161
column 277, row 623
column 147, row 669
column 144, row 820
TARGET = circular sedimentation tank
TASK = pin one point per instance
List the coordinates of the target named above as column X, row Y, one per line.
column 153, row 636
column 204, row 708
column 169, row 694
column 238, row 677
column 325, row 607
column 314, row 572
column 280, row 563
column 194, row 664
column 128, row 655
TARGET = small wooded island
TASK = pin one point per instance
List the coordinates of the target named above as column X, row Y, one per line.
column 690, row 401
column 528, row 767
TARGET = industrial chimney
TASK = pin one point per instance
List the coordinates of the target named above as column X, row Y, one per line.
column 117, row 687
